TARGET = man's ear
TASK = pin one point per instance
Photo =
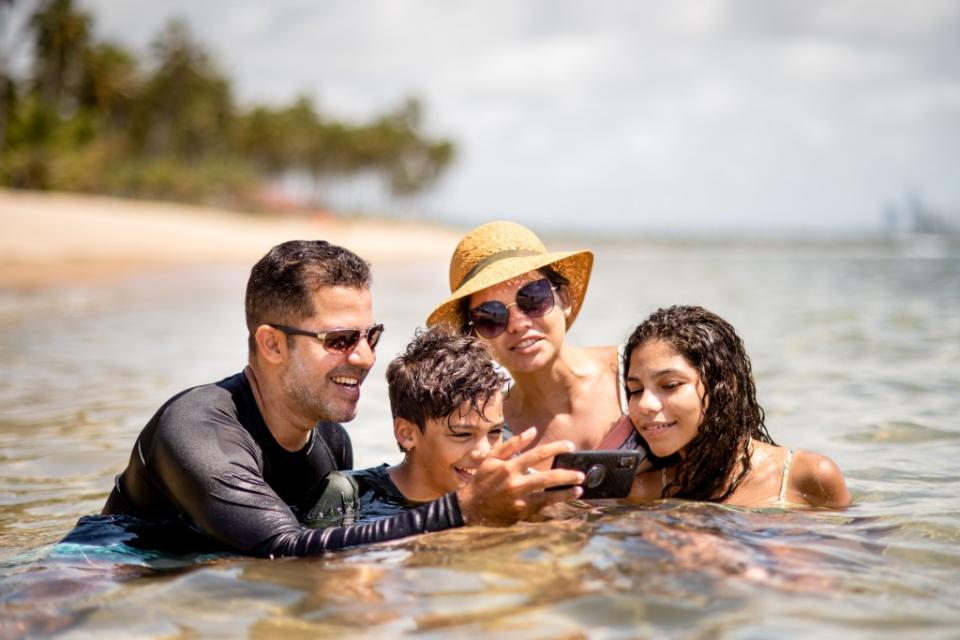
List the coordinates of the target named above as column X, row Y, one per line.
column 407, row 434
column 271, row 344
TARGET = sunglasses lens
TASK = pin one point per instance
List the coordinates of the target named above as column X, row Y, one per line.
column 373, row 335
column 341, row 340
column 536, row 298
column 490, row 319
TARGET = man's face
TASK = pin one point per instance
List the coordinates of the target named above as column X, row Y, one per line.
column 442, row 458
column 322, row 385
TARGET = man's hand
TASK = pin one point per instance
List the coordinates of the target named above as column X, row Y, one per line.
column 502, row 491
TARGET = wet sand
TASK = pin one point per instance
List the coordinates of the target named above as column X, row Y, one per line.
column 48, row 238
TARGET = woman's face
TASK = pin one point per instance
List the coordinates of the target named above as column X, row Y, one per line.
column 666, row 399
column 528, row 343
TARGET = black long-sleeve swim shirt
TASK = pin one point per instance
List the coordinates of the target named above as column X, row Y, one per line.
column 207, row 458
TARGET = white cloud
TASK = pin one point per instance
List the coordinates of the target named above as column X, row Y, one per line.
column 793, row 114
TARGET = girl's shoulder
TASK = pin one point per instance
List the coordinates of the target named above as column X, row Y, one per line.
column 648, row 485
column 817, row 480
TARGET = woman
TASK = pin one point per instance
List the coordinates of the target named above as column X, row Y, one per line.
column 690, row 392
column 521, row 300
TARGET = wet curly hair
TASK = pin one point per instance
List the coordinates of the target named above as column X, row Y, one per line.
column 438, row 373
column 717, row 459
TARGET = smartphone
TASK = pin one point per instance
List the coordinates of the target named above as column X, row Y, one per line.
column 609, row 474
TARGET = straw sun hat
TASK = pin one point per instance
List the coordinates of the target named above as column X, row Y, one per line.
column 499, row 251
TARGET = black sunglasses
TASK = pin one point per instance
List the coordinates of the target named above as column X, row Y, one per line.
column 337, row 340
column 490, row 319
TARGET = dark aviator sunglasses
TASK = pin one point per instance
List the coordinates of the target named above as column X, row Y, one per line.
column 337, row 340
column 491, row 318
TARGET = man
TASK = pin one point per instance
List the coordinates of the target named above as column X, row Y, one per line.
column 446, row 397
column 239, row 459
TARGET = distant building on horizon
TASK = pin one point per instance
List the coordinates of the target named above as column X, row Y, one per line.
column 914, row 215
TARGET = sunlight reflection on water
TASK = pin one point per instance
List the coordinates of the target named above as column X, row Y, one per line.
column 857, row 355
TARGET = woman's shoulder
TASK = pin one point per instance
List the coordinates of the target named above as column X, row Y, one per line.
column 604, row 360
column 818, row 480
column 605, row 354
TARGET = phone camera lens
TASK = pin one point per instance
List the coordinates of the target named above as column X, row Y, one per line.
column 595, row 476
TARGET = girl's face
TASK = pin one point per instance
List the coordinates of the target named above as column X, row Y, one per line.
column 528, row 342
column 666, row 398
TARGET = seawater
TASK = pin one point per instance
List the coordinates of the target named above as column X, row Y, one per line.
column 856, row 351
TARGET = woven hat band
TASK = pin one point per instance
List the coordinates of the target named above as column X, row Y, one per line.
column 496, row 257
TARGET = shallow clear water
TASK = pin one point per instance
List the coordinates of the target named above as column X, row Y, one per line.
column 856, row 351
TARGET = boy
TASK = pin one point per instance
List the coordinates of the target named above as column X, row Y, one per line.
column 446, row 397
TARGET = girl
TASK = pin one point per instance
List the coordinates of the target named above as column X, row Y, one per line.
column 690, row 392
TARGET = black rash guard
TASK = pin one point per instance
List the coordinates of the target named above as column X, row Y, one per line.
column 359, row 496
column 207, row 458
column 379, row 497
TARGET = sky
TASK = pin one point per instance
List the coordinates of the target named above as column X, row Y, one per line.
column 621, row 114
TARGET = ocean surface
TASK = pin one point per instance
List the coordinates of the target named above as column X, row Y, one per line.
column 856, row 351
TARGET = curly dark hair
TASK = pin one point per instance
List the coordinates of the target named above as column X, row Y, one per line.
column 559, row 281
column 282, row 282
column 437, row 373
column 717, row 459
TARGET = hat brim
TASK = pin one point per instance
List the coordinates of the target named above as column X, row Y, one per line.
column 575, row 266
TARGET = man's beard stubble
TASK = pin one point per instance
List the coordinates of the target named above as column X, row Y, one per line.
column 314, row 401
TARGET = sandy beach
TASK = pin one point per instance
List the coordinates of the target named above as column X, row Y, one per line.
column 46, row 238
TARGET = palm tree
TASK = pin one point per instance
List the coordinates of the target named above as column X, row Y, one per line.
column 110, row 83
column 62, row 36
column 186, row 108
column 11, row 40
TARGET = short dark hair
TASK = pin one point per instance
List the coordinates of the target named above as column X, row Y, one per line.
column 282, row 282
column 437, row 373
column 712, row 468
column 557, row 280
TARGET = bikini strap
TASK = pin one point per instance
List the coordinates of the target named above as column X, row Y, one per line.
column 786, row 476
column 621, row 436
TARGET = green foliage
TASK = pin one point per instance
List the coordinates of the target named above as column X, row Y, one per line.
column 92, row 118
column 62, row 37
column 110, row 83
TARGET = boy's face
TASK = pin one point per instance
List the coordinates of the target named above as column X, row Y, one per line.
column 448, row 451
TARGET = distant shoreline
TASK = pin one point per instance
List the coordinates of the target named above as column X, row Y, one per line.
column 49, row 238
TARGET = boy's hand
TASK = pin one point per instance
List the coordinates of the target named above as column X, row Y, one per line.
column 503, row 492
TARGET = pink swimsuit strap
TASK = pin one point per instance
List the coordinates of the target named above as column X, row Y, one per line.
column 618, row 435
